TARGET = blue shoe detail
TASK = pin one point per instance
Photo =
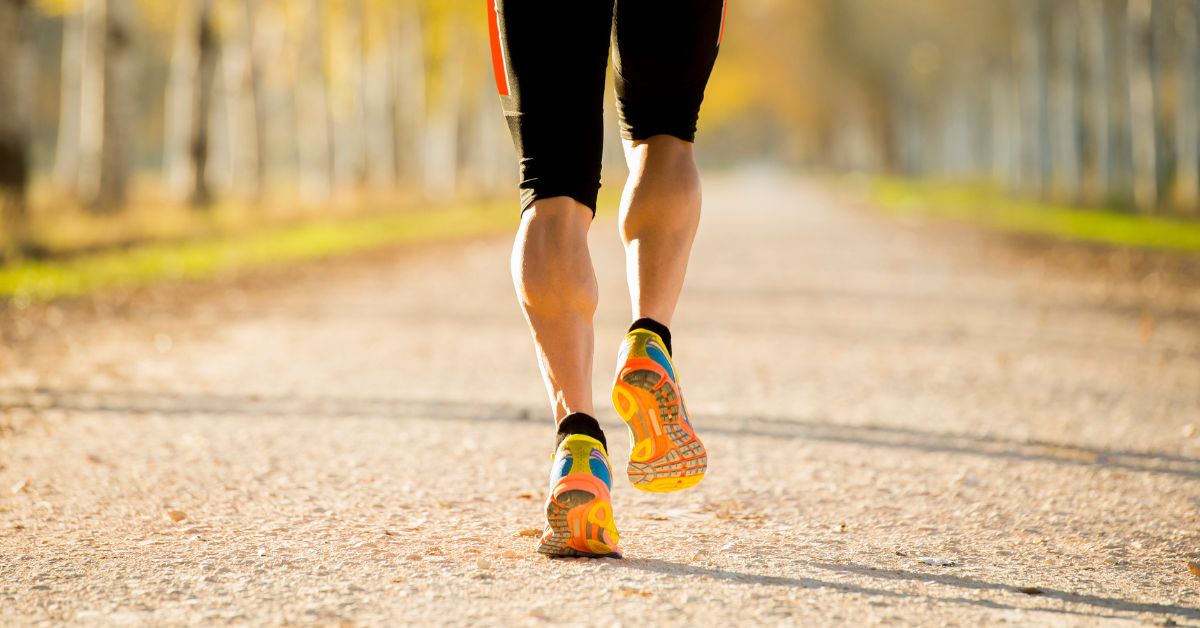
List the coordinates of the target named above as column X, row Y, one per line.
column 561, row 467
column 659, row 356
column 599, row 468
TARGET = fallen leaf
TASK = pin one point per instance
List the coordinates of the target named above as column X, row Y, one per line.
column 1194, row 569
column 530, row 532
column 1146, row 327
column 175, row 515
column 525, row 496
column 512, row 554
column 1030, row 590
column 20, row 487
column 938, row 561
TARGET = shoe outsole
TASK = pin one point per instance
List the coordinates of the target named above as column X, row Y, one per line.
column 666, row 455
column 577, row 518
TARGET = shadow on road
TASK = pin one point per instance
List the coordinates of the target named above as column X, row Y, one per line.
column 971, row 583
column 684, row 569
column 183, row 404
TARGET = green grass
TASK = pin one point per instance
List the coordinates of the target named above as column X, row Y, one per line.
column 988, row 207
column 84, row 274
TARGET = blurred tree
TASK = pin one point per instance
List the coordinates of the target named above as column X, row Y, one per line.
column 379, row 93
column 344, row 33
column 189, row 102
column 1097, row 56
column 313, row 121
column 1033, row 43
column 242, row 89
column 16, row 91
column 1065, row 87
column 1187, row 107
column 66, row 152
column 1142, row 91
column 408, row 49
column 447, row 63
column 106, row 104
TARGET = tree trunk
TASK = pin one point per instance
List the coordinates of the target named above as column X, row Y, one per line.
column 1006, row 153
column 379, row 106
column 66, row 151
column 206, row 37
column 16, row 59
column 1141, row 107
column 1097, row 116
column 346, row 103
column 242, row 89
column 492, row 150
column 1120, row 150
column 1035, row 100
column 189, row 101
column 106, row 104
column 442, row 140
column 1066, row 102
column 312, row 112
column 408, row 50
column 1187, row 109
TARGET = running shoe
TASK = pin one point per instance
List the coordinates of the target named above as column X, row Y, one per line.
column 579, row 517
column 666, row 454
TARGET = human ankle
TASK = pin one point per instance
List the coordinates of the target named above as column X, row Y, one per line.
column 651, row 325
column 583, row 424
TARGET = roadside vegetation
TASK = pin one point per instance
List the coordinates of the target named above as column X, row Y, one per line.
column 986, row 206
column 230, row 247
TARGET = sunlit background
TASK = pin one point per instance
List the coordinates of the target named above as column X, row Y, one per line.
column 131, row 120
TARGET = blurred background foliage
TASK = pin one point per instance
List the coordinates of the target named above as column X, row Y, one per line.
column 130, row 120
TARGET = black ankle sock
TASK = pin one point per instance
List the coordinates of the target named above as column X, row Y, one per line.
column 649, row 324
column 580, row 423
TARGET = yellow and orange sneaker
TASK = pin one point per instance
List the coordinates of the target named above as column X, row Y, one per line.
column 666, row 455
column 579, row 517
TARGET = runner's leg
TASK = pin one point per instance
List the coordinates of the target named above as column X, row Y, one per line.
column 550, row 58
column 665, row 51
column 660, row 211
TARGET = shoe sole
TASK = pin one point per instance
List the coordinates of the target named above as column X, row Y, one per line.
column 576, row 521
column 667, row 455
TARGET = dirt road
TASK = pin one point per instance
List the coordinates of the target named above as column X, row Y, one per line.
column 906, row 424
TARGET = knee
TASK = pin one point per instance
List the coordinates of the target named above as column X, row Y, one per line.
column 665, row 153
column 551, row 266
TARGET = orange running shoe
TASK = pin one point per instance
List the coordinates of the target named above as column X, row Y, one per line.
column 579, row 517
column 666, row 454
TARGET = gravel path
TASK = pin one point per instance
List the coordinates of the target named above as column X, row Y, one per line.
column 907, row 424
